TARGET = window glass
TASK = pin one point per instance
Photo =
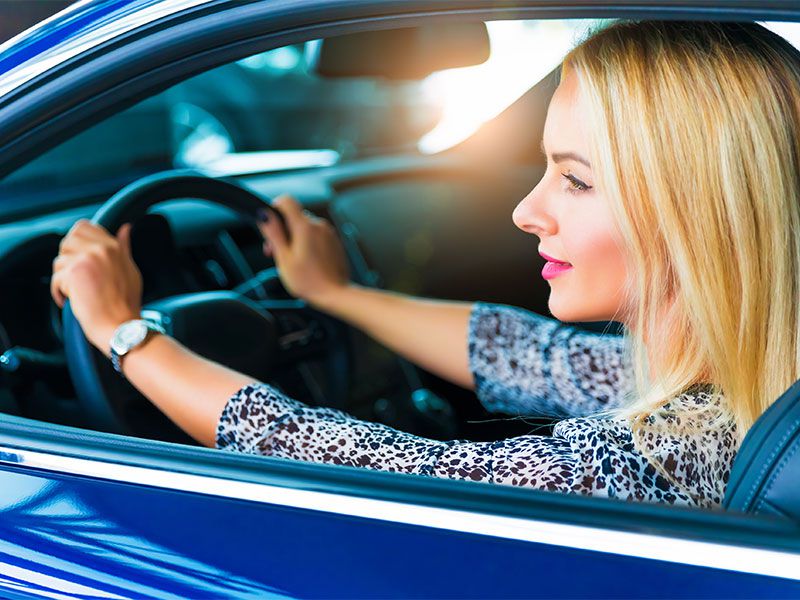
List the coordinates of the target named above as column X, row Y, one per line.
column 272, row 111
column 523, row 52
column 787, row 30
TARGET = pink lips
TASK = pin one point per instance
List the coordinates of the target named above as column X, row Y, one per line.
column 553, row 267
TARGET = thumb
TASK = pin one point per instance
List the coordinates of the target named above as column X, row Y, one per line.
column 124, row 238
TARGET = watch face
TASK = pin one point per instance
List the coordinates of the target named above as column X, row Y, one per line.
column 128, row 335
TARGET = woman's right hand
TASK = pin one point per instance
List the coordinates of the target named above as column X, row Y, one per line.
column 312, row 266
column 311, row 262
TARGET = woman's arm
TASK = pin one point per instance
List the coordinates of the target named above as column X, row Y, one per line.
column 429, row 333
column 586, row 456
column 216, row 405
column 189, row 389
column 97, row 273
column 527, row 364
column 517, row 361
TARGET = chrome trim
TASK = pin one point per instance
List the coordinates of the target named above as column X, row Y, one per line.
column 640, row 545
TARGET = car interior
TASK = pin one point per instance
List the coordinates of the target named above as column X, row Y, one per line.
column 329, row 123
column 361, row 138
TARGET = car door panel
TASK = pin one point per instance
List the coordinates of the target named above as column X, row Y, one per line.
column 79, row 535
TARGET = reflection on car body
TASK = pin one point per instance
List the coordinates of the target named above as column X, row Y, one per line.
column 87, row 107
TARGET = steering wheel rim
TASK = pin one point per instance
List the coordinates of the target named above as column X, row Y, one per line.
column 90, row 371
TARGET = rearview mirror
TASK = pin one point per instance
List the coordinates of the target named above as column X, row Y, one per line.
column 403, row 54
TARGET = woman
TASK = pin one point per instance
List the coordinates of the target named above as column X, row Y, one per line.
column 669, row 203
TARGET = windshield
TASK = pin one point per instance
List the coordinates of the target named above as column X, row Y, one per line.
column 272, row 111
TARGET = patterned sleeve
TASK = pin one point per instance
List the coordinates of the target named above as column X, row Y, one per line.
column 588, row 458
column 527, row 364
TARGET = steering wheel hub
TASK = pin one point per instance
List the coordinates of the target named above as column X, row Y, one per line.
column 222, row 326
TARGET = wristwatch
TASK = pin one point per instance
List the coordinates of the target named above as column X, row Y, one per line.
column 131, row 334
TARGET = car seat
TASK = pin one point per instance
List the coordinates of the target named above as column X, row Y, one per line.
column 765, row 478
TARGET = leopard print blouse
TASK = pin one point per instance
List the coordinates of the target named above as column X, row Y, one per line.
column 522, row 364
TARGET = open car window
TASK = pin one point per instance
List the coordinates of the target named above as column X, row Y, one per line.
column 272, row 111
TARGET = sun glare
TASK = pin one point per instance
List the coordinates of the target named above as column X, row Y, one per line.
column 522, row 52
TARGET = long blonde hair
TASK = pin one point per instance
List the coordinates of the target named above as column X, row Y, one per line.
column 695, row 142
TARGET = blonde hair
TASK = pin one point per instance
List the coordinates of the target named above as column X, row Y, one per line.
column 695, row 143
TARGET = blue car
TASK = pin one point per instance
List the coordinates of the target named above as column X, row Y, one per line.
column 399, row 121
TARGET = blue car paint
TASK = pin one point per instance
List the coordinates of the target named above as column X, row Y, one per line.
column 114, row 538
column 73, row 22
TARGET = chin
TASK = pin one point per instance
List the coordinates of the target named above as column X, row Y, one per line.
column 560, row 310
column 573, row 312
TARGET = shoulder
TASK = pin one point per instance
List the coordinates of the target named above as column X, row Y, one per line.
column 682, row 454
column 695, row 438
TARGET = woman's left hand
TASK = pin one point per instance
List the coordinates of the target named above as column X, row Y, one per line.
column 96, row 272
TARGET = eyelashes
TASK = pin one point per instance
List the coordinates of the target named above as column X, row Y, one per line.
column 575, row 185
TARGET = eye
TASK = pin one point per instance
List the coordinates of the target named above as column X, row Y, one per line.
column 575, row 184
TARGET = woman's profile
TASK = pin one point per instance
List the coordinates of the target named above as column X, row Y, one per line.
column 670, row 203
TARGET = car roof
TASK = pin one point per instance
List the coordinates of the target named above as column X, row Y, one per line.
column 76, row 29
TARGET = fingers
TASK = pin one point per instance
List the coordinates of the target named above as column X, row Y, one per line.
column 275, row 239
column 66, row 251
column 313, row 219
column 291, row 210
column 83, row 238
column 55, row 290
column 85, row 229
column 124, row 239
column 84, row 232
column 277, row 234
column 296, row 221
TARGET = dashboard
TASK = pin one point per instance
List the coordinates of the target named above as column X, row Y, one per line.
column 421, row 230
column 182, row 246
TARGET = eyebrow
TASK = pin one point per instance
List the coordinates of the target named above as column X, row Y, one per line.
column 562, row 156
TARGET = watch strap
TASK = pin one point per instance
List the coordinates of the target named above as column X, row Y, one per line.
column 116, row 358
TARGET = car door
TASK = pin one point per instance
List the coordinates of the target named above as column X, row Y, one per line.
column 94, row 514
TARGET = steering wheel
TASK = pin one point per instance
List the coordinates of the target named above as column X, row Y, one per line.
column 257, row 338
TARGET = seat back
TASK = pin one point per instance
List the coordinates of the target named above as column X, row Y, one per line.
column 765, row 478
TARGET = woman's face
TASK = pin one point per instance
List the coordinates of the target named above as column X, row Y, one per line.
column 573, row 219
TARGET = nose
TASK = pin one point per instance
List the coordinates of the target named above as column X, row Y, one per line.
column 531, row 216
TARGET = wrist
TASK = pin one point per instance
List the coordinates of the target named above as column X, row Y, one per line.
column 334, row 299
column 100, row 336
column 130, row 337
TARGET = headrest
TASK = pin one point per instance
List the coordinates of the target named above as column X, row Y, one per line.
column 765, row 478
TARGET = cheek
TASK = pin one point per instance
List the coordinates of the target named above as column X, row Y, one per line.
column 595, row 290
column 599, row 251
